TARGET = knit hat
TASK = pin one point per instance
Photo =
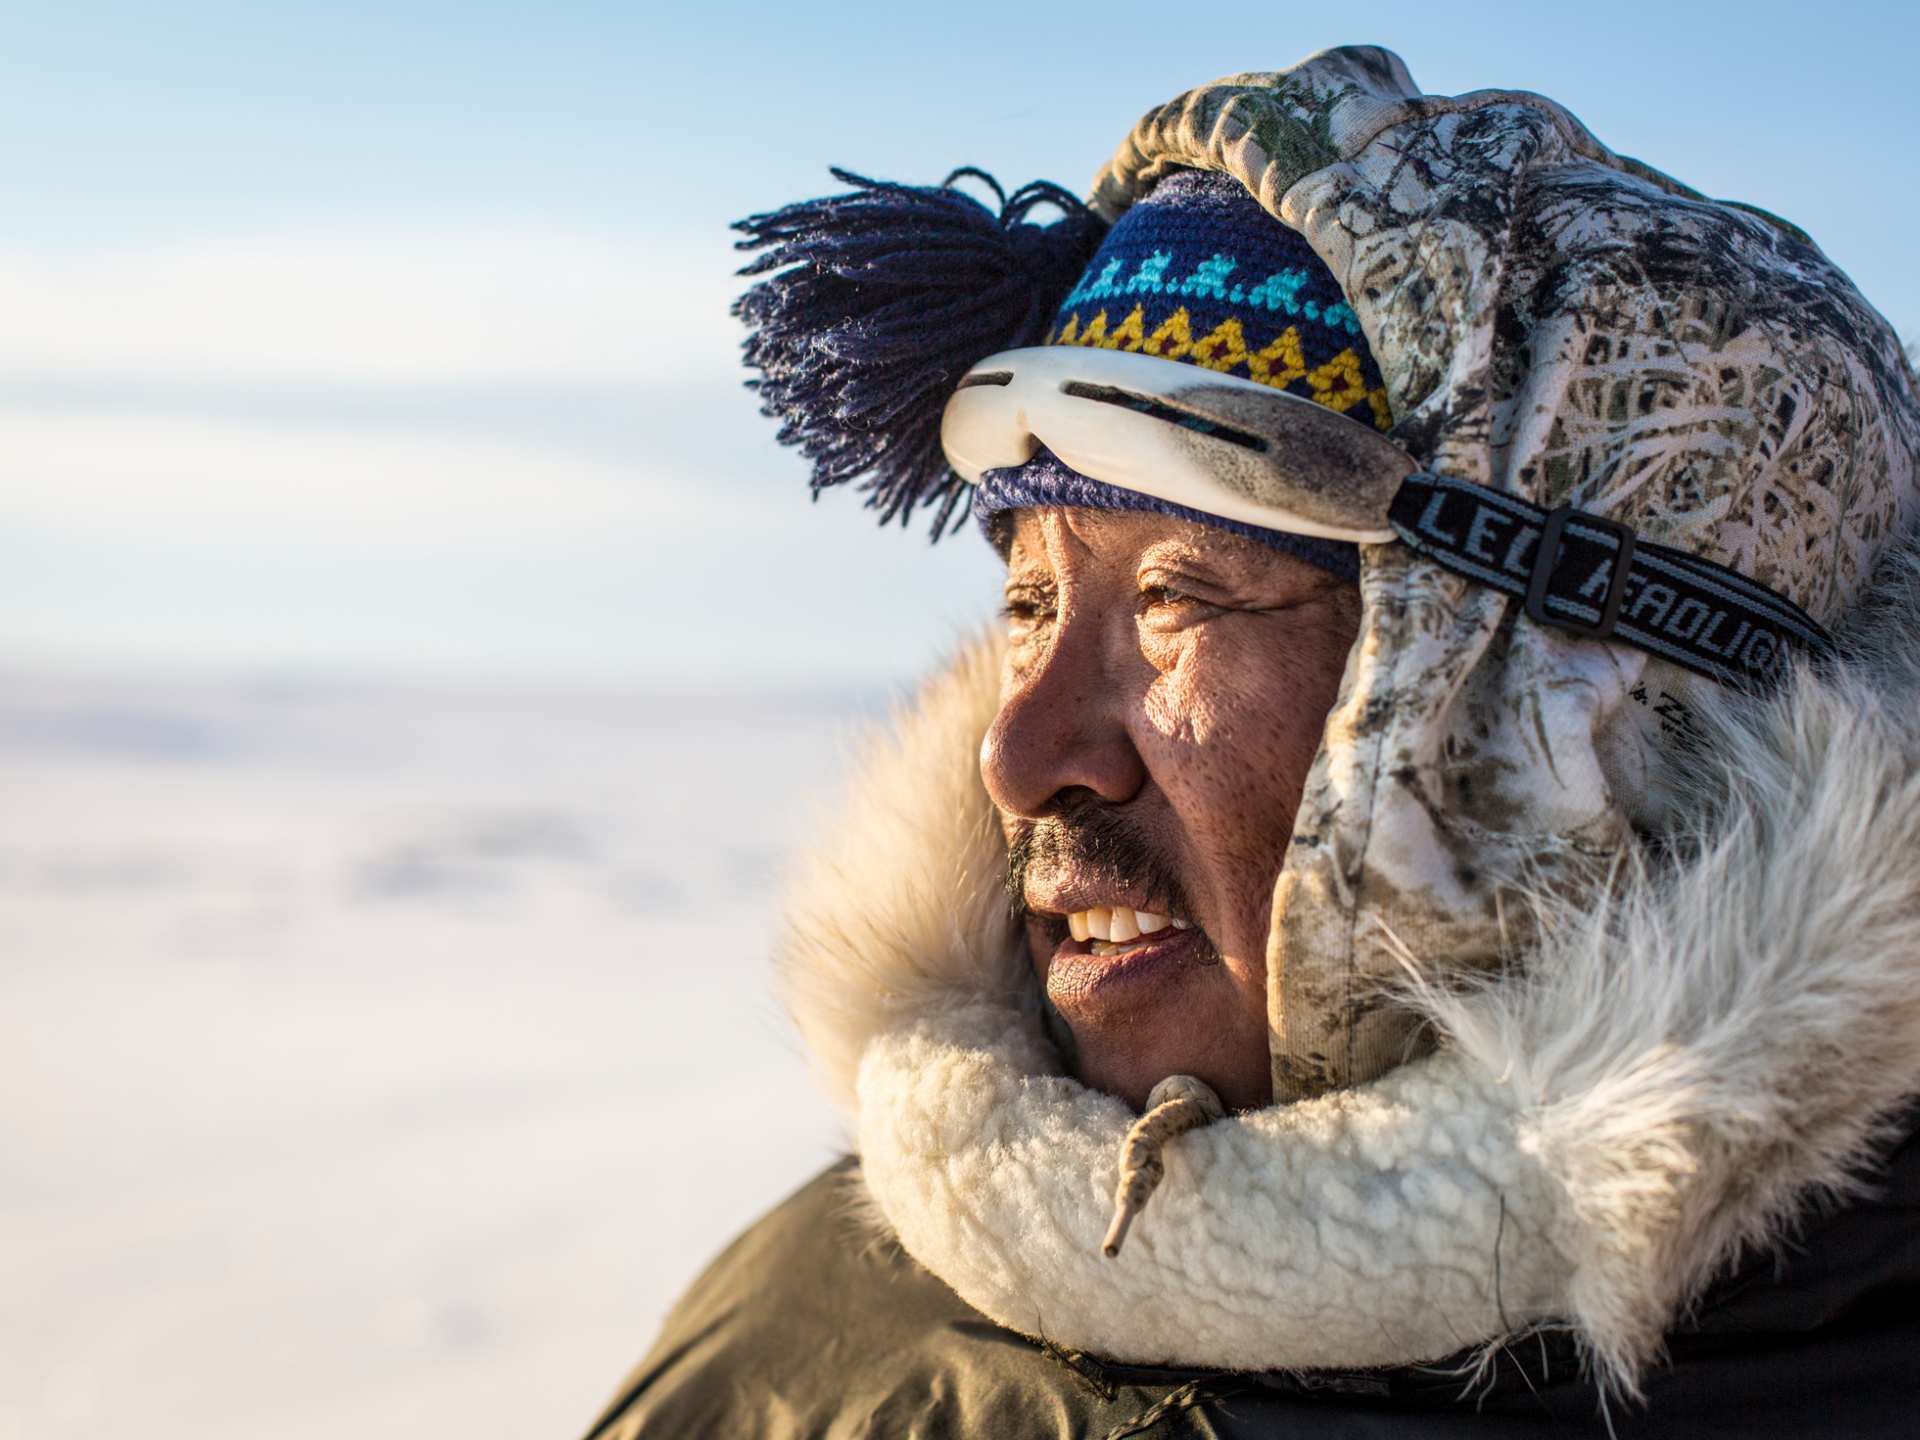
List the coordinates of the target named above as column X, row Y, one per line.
column 1197, row 271
column 875, row 303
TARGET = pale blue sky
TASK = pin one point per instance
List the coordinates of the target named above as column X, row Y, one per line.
column 392, row 338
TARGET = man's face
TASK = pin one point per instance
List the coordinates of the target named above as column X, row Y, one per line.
column 1165, row 689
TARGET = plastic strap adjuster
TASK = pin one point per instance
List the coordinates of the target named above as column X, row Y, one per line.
column 1547, row 555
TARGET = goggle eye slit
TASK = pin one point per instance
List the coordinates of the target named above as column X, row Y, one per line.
column 1160, row 410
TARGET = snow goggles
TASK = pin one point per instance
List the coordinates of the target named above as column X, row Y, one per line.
column 1217, row 443
column 1235, row 448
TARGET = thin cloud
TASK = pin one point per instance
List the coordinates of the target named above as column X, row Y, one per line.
column 444, row 306
column 170, row 473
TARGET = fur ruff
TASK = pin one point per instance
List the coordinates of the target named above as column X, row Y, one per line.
column 1672, row 1079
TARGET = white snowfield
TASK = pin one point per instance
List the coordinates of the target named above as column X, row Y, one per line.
column 373, row 1059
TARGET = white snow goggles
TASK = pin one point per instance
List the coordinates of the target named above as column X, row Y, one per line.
column 1220, row 444
column 1237, row 449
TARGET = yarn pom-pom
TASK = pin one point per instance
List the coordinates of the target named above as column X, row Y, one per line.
column 876, row 302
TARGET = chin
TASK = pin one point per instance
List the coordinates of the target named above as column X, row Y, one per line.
column 1160, row 1009
column 1129, row 1070
column 1127, row 1054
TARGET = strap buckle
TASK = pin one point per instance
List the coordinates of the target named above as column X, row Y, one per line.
column 1547, row 556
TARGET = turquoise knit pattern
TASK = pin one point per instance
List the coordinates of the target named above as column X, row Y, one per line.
column 1199, row 272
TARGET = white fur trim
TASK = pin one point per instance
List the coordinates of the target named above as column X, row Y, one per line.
column 901, row 908
column 1676, row 1077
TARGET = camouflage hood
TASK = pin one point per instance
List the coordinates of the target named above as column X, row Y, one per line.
column 1565, row 325
column 1695, row 1048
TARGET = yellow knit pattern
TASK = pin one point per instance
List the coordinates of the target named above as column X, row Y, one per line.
column 1338, row 384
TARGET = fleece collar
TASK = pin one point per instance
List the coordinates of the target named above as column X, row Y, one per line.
column 1669, row 1079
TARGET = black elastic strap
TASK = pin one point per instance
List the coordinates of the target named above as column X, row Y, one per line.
column 1593, row 576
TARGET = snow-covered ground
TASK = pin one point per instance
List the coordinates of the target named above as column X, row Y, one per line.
column 379, row 1061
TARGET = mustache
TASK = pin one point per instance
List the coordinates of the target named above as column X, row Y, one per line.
column 1096, row 838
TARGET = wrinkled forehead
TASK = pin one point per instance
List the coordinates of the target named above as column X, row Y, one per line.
column 1096, row 529
column 1089, row 546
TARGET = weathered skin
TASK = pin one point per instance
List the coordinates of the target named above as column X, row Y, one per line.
column 1173, row 680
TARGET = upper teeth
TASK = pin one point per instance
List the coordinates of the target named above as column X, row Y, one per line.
column 1118, row 922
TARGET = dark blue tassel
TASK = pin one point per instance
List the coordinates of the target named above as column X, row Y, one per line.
column 875, row 304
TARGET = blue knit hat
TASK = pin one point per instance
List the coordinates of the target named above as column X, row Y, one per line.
column 1197, row 271
column 870, row 306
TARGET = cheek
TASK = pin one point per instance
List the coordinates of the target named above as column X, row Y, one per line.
column 1235, row 718
column 1184, row 707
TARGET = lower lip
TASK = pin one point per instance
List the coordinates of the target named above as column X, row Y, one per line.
column 1076, row 973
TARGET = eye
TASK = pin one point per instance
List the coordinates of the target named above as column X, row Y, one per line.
column 1165, row 603
column 1164, row 596
column 1026, row 606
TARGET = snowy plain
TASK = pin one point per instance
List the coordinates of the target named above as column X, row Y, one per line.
column 381, row 1060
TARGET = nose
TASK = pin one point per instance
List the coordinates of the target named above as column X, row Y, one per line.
column 1063, row 725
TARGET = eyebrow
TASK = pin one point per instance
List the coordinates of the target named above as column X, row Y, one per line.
column 1245, row 566
column 1028, row 574
column 1197, row 550
column 1000, row 532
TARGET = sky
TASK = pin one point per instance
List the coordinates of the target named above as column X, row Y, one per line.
column 391, row 340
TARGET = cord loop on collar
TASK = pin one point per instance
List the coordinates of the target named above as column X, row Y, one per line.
column 1176, row 1105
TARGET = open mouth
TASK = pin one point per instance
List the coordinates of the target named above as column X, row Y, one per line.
column 1119, row 925
column 1105, row 948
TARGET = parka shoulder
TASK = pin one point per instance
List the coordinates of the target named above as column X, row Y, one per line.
column 809, row 1327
